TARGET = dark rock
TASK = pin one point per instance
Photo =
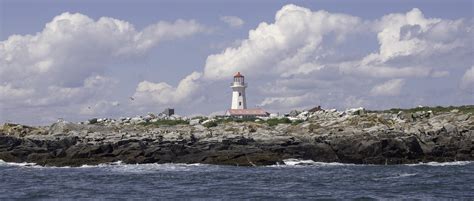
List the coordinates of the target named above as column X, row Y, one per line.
column 92, row 121
column 450, row 129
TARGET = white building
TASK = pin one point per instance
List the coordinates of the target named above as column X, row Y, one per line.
column 239, row 102
column 238, row 92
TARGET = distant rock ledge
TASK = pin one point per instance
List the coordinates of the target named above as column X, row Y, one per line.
column 326, row 136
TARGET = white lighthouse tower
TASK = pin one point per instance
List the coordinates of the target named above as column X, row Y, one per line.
column 238, row 92
column 239, row 102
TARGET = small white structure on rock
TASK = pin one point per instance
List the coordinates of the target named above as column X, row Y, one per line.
column 238, row 92
column 239, row 102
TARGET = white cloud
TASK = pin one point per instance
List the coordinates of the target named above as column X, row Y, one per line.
column 73, row 47
column 163, row 94
column 101, row 107
column 438, row 74
column 279, row 102
column 232, row 21
column 294, row 40
column 389, row 88
column 467, row 81
column 64, row 63
column 353, row 102
column 53, row 95
column 381, row 70
column 9, row 93
column 412, row 45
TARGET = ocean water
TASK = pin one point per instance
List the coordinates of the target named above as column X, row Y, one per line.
column 296, row 179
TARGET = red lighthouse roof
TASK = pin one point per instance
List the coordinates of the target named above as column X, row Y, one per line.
column 238, row 75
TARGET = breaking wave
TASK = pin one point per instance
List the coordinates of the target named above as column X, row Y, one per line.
column 398, row 176
column 150, row 167
column 119, row 166
column 3, row 163
column 454, row 163
column 292, row 162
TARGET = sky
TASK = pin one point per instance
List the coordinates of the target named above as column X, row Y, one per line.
column 81, row 59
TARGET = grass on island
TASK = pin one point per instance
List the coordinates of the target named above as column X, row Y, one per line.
column 165, row 122
column 438, row 109
column 274, row 122
column 210, row 124
column 215, row 123
column 270, row 122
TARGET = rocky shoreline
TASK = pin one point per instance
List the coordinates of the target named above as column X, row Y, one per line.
column 324, row 136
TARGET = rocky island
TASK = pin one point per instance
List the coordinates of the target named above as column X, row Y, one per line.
column 354, row 136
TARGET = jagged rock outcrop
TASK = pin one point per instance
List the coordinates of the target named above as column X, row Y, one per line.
column 326, row 136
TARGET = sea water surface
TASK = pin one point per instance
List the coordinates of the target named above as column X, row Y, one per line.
column 294, row 180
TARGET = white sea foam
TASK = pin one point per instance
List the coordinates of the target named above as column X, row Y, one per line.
column 454, row 163
column 102, row 164
column 405, row 175
column 155, row 167
column 119, row 166
column 3, row 163
column 299, row 162
column 398, row 176
column 292, row 162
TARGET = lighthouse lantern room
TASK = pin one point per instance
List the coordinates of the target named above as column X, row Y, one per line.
column 238, row 92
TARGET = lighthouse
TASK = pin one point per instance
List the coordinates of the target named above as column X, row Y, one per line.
column 238, row 92
column 238, row 108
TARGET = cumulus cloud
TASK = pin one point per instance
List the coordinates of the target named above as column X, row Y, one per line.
column 65, row 62
column 467, row 81
column 9, row 93
column 100, row 107
column 353, row 101
column 284, row 102
column 389, row 88
column 232, row 21
column 289, row 45
column 54, row 95
column 412, row 45
column 73, row 47
column 438, row 74
column 163, row 94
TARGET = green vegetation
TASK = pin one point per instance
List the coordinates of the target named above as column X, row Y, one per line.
column 201, row 118
column 165, row 122
column 274, row 122
column 238, row 120
column 296, row 122
column 437, row 109
column 270, row 122
column 210, row 124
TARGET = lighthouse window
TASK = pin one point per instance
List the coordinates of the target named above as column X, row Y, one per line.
column 240, row 94
column 240, row 103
